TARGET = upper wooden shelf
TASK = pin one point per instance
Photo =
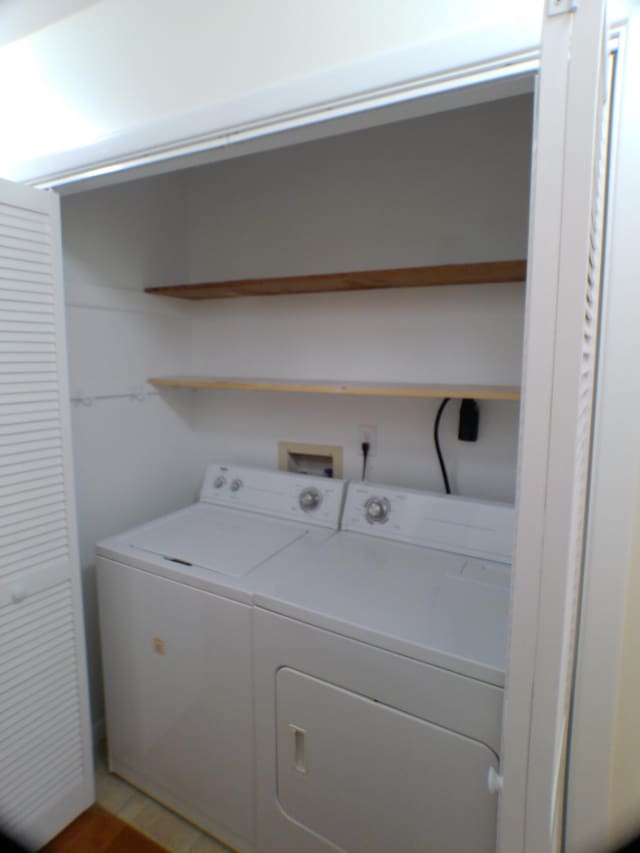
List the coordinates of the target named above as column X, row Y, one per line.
column 361, row 389
column 493, row 272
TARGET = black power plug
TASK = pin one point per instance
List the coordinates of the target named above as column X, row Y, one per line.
column 365, row 447
column 469, row 420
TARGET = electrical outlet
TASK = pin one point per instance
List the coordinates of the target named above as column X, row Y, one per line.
column 368, row 432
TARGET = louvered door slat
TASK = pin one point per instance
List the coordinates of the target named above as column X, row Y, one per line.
column 33, row 511
column 27, row 431
column 26, row 450
column 31, row 731
column 12, row 483
column 15, row 400
column 43, row 797
column 18, row 223
column 24, row 247
column 11, row 264
column 30, row 480
column 49, row 598
column 33, row 655
column 12, row 363
column 15, row 316
column 26, row 412
column 15, row 347
column 17, row 522
column 41, row 338
column 27, row 382
column 28, row 235
column 11, row 277
column 55, row 677
column 26, row 758
column 27, row 728
column 33, row 294
column 47, row 776
column 36, row 555
column 45, row 755
column 33, row 533
column 58, row 675
column 23, row 214
column 37, row 491
column 23, row 253
column 30, row 448
column 28, row 307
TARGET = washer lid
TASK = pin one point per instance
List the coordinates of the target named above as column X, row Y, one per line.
column 220, row 540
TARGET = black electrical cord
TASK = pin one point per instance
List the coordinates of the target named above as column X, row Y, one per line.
column 365, row 457
column 437, row 444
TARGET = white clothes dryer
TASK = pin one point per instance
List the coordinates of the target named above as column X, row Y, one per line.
column 379, row 663
column 175, row 600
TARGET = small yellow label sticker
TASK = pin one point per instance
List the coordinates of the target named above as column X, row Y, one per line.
column 158, row 645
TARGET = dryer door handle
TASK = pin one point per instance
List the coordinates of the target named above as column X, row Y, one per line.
column 298, row 748
column 495, row 781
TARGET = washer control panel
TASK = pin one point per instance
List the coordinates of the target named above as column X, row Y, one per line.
column 313, row 500
column 445, row 522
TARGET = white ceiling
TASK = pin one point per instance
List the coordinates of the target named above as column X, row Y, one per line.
column 92, row 72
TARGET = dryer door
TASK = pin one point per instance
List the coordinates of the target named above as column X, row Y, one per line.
column 367, row 777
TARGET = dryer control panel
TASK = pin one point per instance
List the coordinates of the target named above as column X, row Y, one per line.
column 312, row 500
column 446, row 522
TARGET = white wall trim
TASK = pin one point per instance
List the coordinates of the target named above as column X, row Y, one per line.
column 99, row 732
column 368, row 85
column 613, row 506
column 549, row 503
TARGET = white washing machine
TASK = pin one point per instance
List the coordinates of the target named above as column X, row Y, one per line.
column 175, row 599
column 379, row 663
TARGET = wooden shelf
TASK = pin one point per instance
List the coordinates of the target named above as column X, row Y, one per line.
column 494, row 272
column 360, row 389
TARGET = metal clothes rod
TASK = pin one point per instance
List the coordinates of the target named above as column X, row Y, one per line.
column 86, row 399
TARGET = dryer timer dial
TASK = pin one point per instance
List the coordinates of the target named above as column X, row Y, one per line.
column 309, row 499
column 376, row 510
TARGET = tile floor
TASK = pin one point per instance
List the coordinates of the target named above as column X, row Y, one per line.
column 144, row 814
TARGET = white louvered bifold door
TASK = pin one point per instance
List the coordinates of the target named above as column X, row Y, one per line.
column 46, row 766
column 565, row 248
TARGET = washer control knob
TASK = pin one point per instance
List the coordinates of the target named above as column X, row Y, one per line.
column 309, row 499
column 219, row 482
column 235, row 485
column 376, row 510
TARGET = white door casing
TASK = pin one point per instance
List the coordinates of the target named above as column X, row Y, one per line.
column 45, row 746
column 555, row 439
column 604, row 784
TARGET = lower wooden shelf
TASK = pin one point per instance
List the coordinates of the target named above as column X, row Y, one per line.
column 360, row 389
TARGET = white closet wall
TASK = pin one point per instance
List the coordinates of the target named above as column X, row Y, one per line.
column 448, row 187
column 133, row 459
